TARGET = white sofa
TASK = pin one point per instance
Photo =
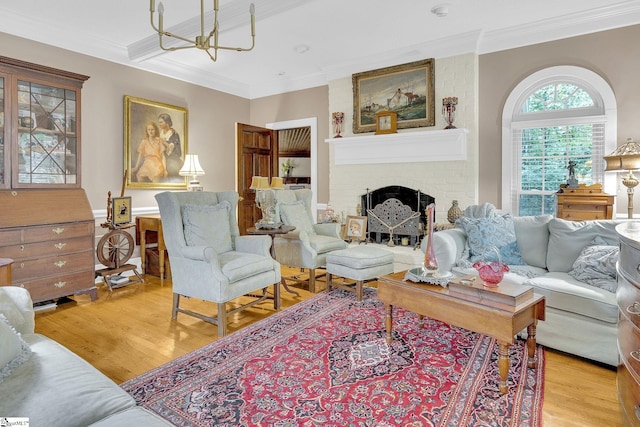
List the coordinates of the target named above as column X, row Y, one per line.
column 53, row 386
column 581, row 319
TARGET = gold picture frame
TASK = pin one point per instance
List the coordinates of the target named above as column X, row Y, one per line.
column 356, row 227
column 386, row 122
column 154, row 165
column 407, row 89
column 121, row 210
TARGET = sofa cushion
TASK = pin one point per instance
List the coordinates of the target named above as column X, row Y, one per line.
column 55, row 387
column 208, row 225
column 497, row 231
column 563, row 292
column 596, row 265
column 567, row 238
column 13, row 350
column 296, row 214
column 532, row 234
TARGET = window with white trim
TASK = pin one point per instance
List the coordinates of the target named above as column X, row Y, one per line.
column 553, row 119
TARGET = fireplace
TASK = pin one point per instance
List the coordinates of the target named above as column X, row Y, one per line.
column 395, row 212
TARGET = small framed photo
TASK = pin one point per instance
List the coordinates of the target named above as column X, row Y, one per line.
column 386, row 122
column 356, row 227
column 121, row 210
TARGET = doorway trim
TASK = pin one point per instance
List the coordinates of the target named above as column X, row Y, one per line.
column 311, row 122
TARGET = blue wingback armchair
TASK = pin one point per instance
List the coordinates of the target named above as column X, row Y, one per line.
column 209, row 258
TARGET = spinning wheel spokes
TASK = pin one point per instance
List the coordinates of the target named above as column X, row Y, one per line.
column 115, row 248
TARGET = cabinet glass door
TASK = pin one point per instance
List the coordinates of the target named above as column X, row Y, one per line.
column 47, row 141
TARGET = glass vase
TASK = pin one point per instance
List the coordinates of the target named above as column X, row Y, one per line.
column 430, row 263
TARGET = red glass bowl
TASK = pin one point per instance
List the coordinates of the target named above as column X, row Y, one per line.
column 491, row 273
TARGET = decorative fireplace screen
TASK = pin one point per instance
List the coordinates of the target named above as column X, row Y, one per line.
column 395, row 211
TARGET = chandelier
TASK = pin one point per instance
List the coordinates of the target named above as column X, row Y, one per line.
column 206, row 42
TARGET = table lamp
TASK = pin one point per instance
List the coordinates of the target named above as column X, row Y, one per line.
column 626, row 158
column 192, row 168
column 266, row 199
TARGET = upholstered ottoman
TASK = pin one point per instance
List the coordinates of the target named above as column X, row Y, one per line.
column 358, row 263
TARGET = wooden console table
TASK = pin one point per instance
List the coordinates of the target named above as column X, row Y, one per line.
column 146, row 223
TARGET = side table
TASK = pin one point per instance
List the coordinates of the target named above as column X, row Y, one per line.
column 146, row 223
column 273, row 232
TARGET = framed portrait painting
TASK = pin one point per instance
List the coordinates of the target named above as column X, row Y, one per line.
column 407, row 90
column 155, row 143
column 356, row 227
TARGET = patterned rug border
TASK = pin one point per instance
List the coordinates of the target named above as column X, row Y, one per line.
column 194, row 370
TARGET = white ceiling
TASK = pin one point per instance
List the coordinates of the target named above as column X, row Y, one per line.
column 343, row 36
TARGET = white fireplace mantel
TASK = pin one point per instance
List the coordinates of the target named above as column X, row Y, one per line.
column 404, row 147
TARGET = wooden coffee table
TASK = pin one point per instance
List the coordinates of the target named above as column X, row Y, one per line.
column 501, row 323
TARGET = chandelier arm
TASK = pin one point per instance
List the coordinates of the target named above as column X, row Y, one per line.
column 240, row 49
column 168, row 34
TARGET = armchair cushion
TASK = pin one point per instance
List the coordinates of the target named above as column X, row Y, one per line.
column 296, row 214
column 241, row 265
column 208, row 225
column 13, row 350
column 322, row 244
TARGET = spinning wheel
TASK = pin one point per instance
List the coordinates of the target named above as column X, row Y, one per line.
column 115, row 248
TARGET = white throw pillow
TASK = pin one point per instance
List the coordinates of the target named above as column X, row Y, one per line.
column 596, row 265
column 208, row 225
column 296, row 214
column 11, row 313
column 13, row 350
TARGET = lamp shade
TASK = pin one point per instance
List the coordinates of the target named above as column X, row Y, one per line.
column 191, row 166
column 277, row 183
column 259, row 183
column 625, row 157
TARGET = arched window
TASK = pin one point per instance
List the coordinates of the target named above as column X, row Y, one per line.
column 556, row 115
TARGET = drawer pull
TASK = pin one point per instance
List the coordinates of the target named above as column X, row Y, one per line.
column 60, row 284
column 22, row 265
column 634, row 308
column 21, row 248
column 59, row 264
column 58, row 230
column 60, row 245
column 636, row 355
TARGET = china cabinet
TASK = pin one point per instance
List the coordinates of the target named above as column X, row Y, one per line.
column 46, row 222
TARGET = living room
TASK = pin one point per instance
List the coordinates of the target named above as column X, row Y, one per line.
column 483, row 81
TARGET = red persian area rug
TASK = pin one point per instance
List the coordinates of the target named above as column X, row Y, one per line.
column 325, row 362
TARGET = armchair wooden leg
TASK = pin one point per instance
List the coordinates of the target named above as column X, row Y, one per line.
column 176, row 302
column 312, row 280
column 276, row 296
column 328, row 281
column 222, row 319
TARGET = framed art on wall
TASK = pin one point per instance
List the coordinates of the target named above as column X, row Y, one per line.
column 155, row 143
column 406, row 89
column 121, row 210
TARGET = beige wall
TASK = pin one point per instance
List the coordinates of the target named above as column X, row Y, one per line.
column 211, row 132
column 296, row 105
column 614, row 55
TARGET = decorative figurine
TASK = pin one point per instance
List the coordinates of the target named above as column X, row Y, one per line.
column 338, row 121
column 449, row 111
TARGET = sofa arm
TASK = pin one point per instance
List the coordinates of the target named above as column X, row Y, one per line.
column 16, row 305
column 448, row 246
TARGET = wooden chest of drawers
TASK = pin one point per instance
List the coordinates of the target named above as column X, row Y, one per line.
column 50, row 236
column 628, row 297
column 584, row 203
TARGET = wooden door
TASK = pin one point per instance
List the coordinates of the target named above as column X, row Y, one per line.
column 257, row 155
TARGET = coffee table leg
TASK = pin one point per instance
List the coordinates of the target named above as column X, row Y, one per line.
column 531, row 345
column 503, row 365
column 389, row 322
column 420, row 321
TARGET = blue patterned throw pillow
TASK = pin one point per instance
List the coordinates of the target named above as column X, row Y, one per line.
column 596, row 265
column 497, row 231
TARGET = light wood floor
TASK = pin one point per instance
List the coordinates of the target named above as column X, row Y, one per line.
column 129, row 331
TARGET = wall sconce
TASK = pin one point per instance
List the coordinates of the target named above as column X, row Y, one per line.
column 626, row 158
column 192, row 168
column 266, row 199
